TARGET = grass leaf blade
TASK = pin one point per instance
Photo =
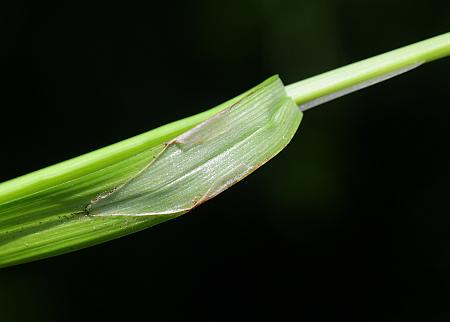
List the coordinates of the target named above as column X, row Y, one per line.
column 43, row 214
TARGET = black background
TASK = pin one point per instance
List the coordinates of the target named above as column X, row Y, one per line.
column 350, row 222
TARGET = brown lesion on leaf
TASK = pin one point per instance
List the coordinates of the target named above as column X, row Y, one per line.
column 197, row 202
column 191, row 136
column 222, row 184
column 99, row 197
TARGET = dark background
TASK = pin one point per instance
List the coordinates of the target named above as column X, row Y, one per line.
column 351, row 222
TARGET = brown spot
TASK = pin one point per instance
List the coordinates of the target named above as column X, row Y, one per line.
column 198, row 202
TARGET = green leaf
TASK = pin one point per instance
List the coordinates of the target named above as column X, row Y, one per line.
column 143, row 181
column 206, row 160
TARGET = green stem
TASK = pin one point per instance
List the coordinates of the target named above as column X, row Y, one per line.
column 324, row 87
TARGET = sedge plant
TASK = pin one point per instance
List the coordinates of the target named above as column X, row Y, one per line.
column 166, row 172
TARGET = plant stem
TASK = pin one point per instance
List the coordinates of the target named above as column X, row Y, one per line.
column 330, row 85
